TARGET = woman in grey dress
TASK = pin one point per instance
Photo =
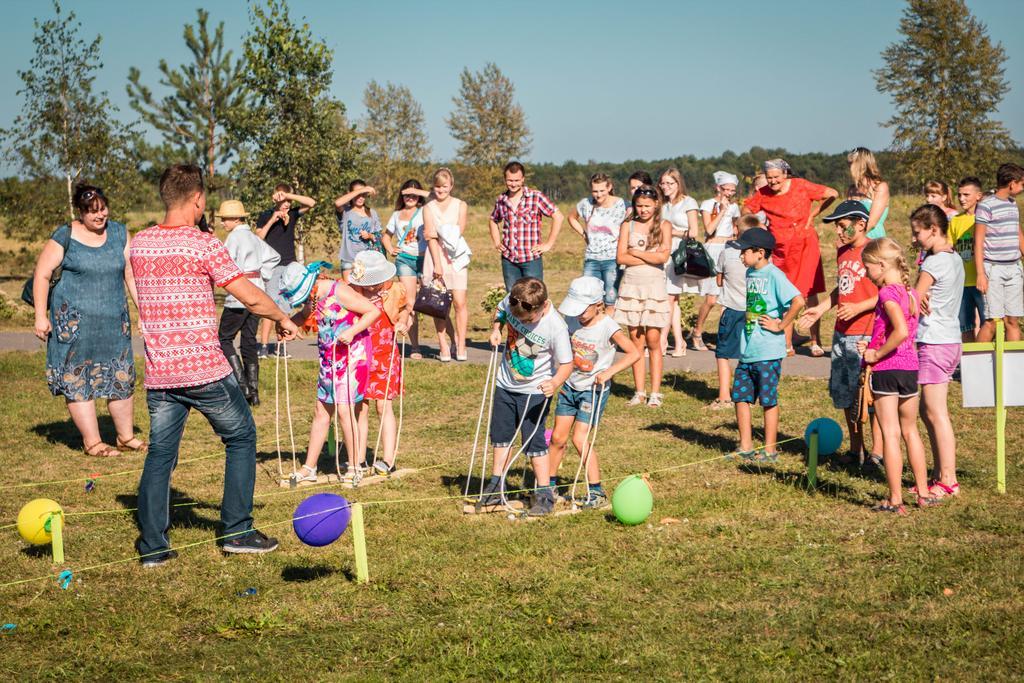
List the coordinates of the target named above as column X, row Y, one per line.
column 87, row 329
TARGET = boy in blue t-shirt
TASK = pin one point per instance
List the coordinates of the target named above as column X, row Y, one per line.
column 772, row 305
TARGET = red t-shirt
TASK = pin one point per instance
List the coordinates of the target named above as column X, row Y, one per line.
column 854, row 287
column 175, row 269
column 790, row 211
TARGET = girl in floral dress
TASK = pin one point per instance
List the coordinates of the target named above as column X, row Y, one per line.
column 372, row 276
column 342, row 318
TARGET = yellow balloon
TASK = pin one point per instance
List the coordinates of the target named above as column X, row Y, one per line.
column 34, row 518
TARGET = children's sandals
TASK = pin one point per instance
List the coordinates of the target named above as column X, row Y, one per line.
column 940, row 490
column 886, row 506
column 305, row 473
column 638, row 398
column 928, row 501
column 655, row 400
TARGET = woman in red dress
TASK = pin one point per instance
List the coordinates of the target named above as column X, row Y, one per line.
column 789, row 208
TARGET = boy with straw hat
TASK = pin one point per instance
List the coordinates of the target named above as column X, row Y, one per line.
column 256, row 259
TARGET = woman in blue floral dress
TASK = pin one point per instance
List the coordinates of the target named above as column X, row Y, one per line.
column 87, row 330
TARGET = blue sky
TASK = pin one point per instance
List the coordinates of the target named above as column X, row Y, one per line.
column 598, row 80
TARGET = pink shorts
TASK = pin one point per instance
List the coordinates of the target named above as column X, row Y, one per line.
column 937, row 362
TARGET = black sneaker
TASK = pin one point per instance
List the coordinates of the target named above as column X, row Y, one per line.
column 153, row 561
column 254, row 543
column 490, row 496
column 543, row 504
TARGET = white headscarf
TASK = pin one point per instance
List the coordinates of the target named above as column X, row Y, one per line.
column 725, row 178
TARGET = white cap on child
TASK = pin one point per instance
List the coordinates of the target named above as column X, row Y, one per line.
column 583, row 292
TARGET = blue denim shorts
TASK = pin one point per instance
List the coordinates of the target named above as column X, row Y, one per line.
column 607, row 271
column 579, row 403
column 973, row 301
column 730, row 333
column 408, row 265
column 844, row 379
column 757, row 381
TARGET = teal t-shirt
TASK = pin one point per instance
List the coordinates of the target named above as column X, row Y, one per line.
column 768, row 293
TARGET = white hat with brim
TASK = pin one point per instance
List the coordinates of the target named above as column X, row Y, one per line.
column 583, row 292
column 298, row 280
column 370, row 268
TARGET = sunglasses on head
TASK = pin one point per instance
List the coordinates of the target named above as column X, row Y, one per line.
column 528, row 307
column 90, row 195
column 645, row 192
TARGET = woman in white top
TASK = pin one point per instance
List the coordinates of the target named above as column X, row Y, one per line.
column 719, row 215
column 403, row 238
column 444, row 215
column 680, row 210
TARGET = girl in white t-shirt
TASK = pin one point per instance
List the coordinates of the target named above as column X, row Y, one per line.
column 582, row 399
column 719, row 215
column 403, row 238
column 940, row 287
column 680, row 210
column 444, row 222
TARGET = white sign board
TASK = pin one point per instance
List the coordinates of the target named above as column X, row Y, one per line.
column 977, row 372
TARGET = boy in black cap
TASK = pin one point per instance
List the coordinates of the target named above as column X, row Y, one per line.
column 772, row 304
column 855, row 296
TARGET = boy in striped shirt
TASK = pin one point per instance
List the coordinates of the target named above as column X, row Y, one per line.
column 998, row 244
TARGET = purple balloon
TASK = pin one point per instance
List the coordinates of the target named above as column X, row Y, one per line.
column 321, row 519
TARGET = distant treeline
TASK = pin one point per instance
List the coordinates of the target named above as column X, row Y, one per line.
column 564, row 182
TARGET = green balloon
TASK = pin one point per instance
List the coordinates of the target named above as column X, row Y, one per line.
column 632, row 501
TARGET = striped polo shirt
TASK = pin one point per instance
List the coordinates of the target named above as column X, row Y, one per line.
column 1001, row 219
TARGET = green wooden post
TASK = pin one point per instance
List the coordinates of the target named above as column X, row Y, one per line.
column 359, row 541
column 812, row 461
column 1000, row 410
column 57, row 537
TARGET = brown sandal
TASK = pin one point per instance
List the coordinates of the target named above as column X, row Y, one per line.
column 105, row 450
column 143, row 447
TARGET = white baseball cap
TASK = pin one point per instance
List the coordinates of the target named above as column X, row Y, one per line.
column 583, row 292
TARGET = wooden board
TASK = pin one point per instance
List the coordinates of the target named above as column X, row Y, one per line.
column 469, row 507
column 332, row 478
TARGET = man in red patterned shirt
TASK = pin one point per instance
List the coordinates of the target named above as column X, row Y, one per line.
column 515, row 227
column 175, row 267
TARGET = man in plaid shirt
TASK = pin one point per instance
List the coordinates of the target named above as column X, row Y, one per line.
column 516, row 227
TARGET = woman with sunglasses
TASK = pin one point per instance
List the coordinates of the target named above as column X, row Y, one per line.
column 404, row 240
column 643, row 304
column 88, row 331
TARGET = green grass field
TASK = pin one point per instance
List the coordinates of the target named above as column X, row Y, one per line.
column 753, row 577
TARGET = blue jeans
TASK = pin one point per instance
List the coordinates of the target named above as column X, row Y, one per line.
column 607, row 271
column 510, row 272
column 223, row 405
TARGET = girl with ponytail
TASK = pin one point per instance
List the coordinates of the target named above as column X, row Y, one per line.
column 892, row 356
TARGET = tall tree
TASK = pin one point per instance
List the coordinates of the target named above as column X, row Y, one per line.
column 946, row 79
column 202, row 97
column 488, row 123
column 293, row 132
column 66, row 132
column 393, row 132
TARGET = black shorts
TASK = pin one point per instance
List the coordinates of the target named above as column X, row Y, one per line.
column 902, row 383
column 506, row 416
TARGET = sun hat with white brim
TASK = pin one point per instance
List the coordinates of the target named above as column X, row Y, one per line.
column 231, row 208
column 725, row 178
column 583, row 292
column 298, row 280
column 370, row 268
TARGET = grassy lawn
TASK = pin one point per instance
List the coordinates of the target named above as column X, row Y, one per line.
column 755, row 578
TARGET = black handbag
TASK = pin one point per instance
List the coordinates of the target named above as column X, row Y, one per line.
column 434, row 300
column 28, row 296
column 698, row 260
column 679, row 258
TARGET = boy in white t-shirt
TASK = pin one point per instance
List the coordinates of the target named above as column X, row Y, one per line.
column 732, row 283
column 536, row 362
column 584, row 395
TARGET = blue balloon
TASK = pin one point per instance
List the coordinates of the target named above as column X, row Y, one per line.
column 830, row 435
column 321, row 519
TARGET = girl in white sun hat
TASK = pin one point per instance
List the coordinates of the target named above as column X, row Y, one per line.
column 582, row 398
column 372, row 276
column 342, row 318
